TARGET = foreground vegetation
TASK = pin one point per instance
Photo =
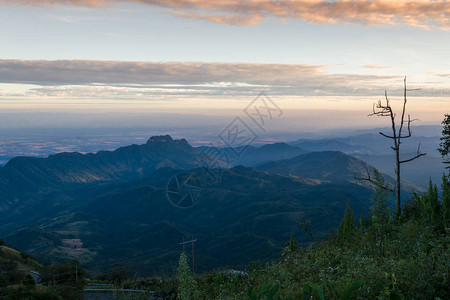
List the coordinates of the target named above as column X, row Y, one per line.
column 53, row 281
column 382, row 257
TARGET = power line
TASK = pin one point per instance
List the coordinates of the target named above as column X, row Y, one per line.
column 193, row 257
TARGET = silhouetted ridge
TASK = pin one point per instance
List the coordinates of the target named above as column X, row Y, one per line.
column 326, row 165
column 160, row 138
column 123, row 164
column 166, row 139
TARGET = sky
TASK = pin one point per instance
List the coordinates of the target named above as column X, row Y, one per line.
column 322, row 62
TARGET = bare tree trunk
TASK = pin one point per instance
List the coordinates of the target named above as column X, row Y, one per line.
column 386, row 111
column 398, row 210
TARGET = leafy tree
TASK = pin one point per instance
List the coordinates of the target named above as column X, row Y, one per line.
column 444, row 148
column 28, row 280
column 187, row 286
column 119, row 273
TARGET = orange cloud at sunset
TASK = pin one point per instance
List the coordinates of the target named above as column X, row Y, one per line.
column 423, row 14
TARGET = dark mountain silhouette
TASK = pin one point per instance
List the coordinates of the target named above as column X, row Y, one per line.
column 35, row 187
column 115, row 205
column 125, row 163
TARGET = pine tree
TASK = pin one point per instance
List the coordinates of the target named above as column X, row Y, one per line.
column 380, row 200
column 187, row 286
column 446, row 200
column 433, row 204
column 347, row 225
column 381, row 213
column 362, row 223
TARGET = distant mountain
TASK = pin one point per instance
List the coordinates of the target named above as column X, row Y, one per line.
column 327, row 166
column 41, row 183
column 331, row 166
column 369, row 143
column 125, row 163
column 329, row 145
column 252, row 156
column 113, row 207
column 376, row 150
column 417, row 172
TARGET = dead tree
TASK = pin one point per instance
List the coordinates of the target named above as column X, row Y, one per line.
column 385, row 110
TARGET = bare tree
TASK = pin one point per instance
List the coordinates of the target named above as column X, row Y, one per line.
column 385, row 110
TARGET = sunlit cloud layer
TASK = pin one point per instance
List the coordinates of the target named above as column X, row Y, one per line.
column 119, row 72
column 124, row 80
column 420, row 13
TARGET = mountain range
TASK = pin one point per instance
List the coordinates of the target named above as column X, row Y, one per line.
column 128, row 206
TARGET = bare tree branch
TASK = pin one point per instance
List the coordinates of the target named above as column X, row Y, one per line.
column 369, row 179
column 385, row 135
column 419, row 154
column 403, row 110
column 411, row 159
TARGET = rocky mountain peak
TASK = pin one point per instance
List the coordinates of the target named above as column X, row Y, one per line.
column 160, row 138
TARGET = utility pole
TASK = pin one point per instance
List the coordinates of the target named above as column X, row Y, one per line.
column 193, row 258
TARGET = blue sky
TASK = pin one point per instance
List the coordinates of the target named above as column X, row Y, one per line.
column 208, row 57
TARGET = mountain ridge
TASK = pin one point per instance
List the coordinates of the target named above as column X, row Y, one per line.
column 251, row 210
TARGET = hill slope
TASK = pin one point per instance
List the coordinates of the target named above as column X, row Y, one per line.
column 247, row 216
column 328, row 166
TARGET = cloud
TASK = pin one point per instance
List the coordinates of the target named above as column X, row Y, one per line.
column 425, row 14
column 447, row 75
column 373, row 66
column 439, row 73
column 123, row 79
column 78, row 72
